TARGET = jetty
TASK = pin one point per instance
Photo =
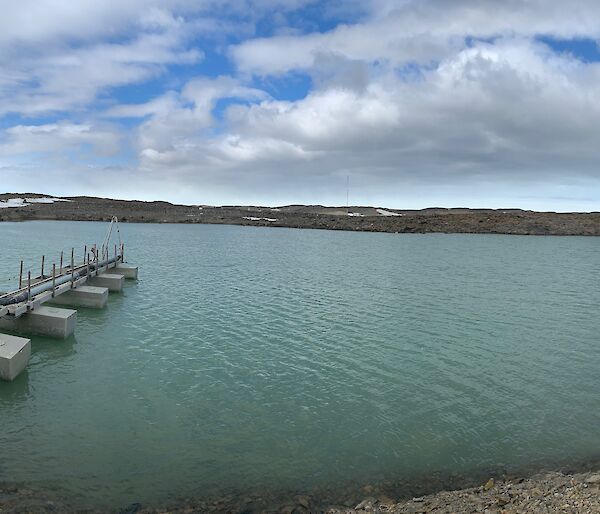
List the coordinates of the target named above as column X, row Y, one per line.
column 31, row 310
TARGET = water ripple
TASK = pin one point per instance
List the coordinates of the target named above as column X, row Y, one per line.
column 270, row 358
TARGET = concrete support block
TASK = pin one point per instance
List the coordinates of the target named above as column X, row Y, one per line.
column 83, row 296
column 43, row 321
column 127, row 270
column 113, row 282
column 14, row 356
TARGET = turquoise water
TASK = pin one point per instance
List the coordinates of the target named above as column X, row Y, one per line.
column 258, row 358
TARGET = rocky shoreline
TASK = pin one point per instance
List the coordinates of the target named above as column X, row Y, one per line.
column 356, row 218
column 542, row 493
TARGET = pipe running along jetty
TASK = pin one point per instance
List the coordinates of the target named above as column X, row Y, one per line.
column 83, row 284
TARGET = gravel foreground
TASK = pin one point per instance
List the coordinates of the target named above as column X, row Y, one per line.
column 545, row 493
column 548, row 493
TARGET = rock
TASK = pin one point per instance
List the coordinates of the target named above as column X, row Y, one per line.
column 303, row 501
column 131, row 509
column 594, row 479
column 385, row 500
column 366, row 504
column 489, row 484
column 502, row 501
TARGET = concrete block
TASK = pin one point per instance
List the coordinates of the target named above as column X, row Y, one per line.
column 14, row 356
column 83, row 296
column 113, row 282
column 43, row 321
column 127, row 270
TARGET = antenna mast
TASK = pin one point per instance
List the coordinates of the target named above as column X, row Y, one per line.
column 347, row 192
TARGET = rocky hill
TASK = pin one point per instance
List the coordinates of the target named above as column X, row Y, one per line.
column 33, row 206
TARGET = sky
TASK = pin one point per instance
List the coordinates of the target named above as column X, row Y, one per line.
column 413, row 103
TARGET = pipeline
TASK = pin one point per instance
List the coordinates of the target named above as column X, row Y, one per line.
column 25, row 294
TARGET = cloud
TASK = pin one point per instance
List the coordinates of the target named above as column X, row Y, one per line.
column 175, row 119
column 58, row 55
column 57, row 137
column 511, row 111
column 419, row 102
column 63, row 79
column 420, row 31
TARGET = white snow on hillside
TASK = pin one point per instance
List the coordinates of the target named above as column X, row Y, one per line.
column 20, row 202
column 383, row 212
column 253, row 218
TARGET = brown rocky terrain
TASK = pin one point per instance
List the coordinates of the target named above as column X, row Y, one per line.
column 370, row 219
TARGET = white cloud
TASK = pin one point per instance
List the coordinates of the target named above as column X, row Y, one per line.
column 420, row 31
column 63, row 79
column 452, row 98
column 162, row 104
column 57, row 137
column 178, row 119
column 58, row 55
column 508, row 112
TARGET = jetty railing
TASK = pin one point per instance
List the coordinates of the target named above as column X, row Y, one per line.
column 92, row 264
column 85, row 283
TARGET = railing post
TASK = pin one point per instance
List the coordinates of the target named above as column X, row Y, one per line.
column 29, row 286
column 72, row 266
column 61, row 262
column 21, row 276
column 53, row 279
column 43, row 258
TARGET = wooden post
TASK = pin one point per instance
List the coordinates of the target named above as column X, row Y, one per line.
column 72, row 266
column 21, row 276
column 61, row 262
column 29, row 286
column 42, row 275
column 53, row 279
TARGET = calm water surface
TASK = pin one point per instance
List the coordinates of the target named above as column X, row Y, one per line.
column 272, row 358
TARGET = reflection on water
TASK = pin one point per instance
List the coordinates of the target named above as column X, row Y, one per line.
column 253, row 360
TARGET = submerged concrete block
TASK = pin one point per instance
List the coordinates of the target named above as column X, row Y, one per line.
column 113, row 282
column 14, row 356
column 43, row 321
column 127, row 270
column 83, row 296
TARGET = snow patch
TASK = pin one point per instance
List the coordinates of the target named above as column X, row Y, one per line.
column 356, row 214
column 252, row 218
column 12, row 202
column 23, row 202
column 46, row 200
column 383, row 212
